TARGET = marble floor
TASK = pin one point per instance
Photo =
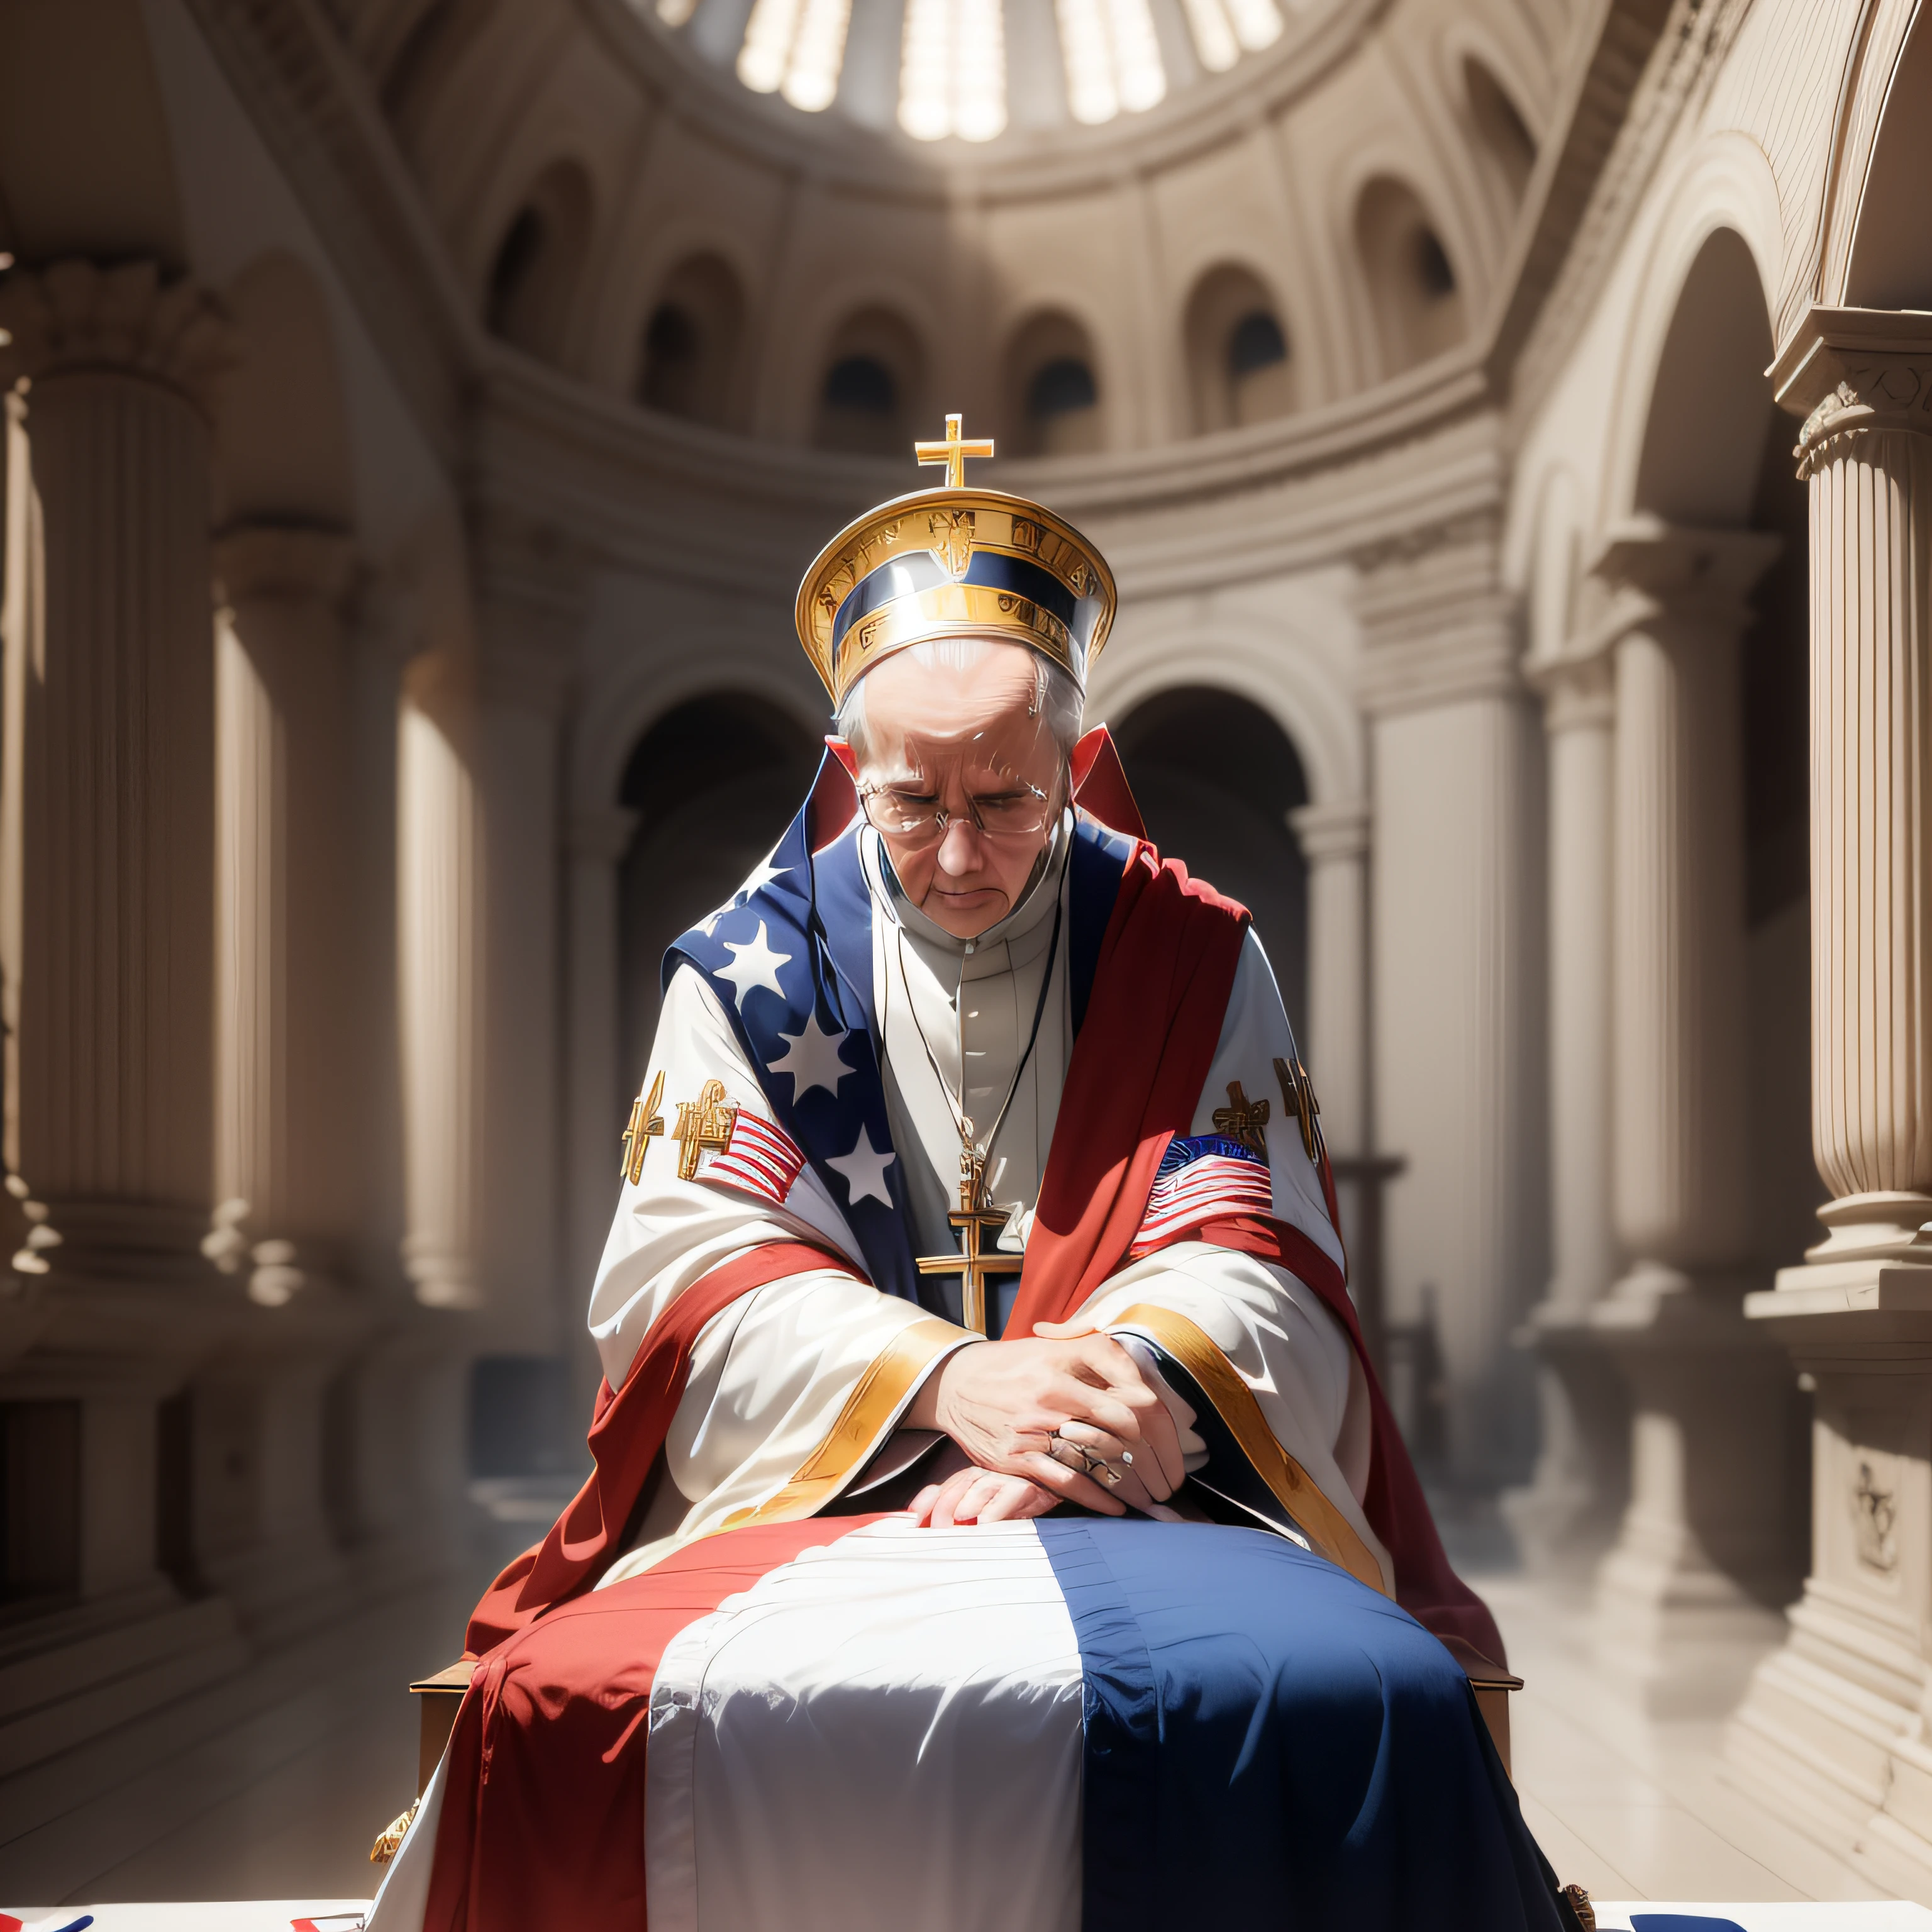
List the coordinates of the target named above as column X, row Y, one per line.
column 277, row 1794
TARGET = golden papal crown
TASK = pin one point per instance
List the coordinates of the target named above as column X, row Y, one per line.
column 953, row 563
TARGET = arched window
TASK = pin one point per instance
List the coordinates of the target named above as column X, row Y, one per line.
column 1054, row 399
column 1215, row 778
column 1413, row 290
column 532, row 280
column 869, row 396
column 702, row 825
column 1503, row 134
column 1238, row 363
column 796, row 48
column 691, row 342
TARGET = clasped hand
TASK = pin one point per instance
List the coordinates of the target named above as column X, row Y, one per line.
column 1003, row 1402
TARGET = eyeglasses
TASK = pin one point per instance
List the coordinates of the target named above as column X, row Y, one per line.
column 916, row 817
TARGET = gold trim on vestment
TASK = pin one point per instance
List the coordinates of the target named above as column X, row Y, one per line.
column 1331, row 1533
column 868, row 1411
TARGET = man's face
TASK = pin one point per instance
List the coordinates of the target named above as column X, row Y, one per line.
column 947, row 747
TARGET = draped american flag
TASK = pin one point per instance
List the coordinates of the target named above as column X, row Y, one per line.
column 1204, row 1178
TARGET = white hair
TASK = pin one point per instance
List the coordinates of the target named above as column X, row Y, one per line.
column 1057, row 695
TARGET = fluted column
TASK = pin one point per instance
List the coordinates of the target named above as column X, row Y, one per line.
column 1565, row 1511
column 1334, row 840
column 1836, row 1732
column 285, row 1143
column 1456, row 914
column 440, row 955
column 110, row 912
column 599, row 1081
column 1700, row 1552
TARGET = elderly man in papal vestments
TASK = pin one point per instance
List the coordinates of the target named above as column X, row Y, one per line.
column 995, row 1520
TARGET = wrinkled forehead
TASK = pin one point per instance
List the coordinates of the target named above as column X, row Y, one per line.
column 987, row 714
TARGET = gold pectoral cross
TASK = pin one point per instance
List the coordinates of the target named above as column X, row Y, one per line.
column 705, row 1122
column 1243, row 1119
column 645, row 1121
column 1298, row 1094
column 952, row 452
column 973, row 1263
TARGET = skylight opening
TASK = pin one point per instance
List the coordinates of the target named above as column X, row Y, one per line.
column 1111, row 56
column 797, row 47
column 1214, row 42
column 952, row 69
column 1258, row 23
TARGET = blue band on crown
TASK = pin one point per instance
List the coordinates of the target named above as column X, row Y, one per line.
column 920, row 570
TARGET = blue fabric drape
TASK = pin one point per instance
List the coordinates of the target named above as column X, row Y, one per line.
column 1269, row 1743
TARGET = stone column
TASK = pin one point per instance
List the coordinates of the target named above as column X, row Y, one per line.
column 1836, row 1732
column 1456, row 983
column 440, row 953
column 1334, row 838
column 286, row 1136
column 1567, row 1510
column 598, row 1083
column 111, row 794
column 1699, row 1562
column 285, row 1143
column 106, row 869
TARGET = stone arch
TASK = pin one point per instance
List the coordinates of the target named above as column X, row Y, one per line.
column 1726, row 187
column 1415, row 294
column 1502, row 130
column 539, row 262
column 1890, row 264
column 1710, row 405
column 702, row 823
column 872, row 384
column 281, row 424
column 1054, row 405
column 420, row 59
column 687, row 350
column 1240, row 363
column 1216, row 777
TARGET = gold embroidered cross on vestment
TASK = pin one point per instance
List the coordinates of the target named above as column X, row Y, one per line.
column 973, row 1264
column 645, row 1121
column 705, row 1122
column 1243, row 1119
column 1297, row 1095
column 953, row 453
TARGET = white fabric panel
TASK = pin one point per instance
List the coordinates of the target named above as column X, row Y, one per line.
column 1254, row 1034
column 403, row 1895
column 817, row 1744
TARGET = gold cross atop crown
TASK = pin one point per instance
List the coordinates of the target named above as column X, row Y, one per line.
column 952, row 452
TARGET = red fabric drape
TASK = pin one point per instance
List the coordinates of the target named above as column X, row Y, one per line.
column 626, row 1433
column 543, row 1804
column 1160, row 994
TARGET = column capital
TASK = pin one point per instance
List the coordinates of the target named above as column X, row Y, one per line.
column 1437, row 624
column 1332, row 830
column 75, row 316
column 602, row 834
column 291, row 563
column 532, row 596
column 1845, row 370
column 1575, row 685
column 1647, row 572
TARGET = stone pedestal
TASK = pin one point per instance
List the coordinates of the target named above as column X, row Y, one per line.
column 1836, row 1732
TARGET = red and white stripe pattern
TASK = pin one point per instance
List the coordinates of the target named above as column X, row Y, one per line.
column 761, row 1158
column 1206, row 1179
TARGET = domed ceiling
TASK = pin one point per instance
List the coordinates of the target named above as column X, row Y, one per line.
column 971, row 69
